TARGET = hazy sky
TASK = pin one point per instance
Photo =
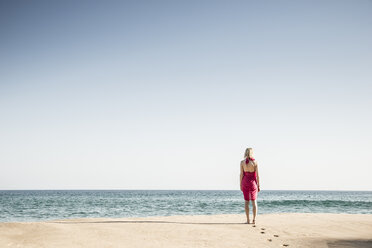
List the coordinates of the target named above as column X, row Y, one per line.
column 168, row 94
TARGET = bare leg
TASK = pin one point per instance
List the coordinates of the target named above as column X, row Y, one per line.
column 247, row 210
column 254, row 203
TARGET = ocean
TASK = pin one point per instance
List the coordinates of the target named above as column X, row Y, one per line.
column 40, row 205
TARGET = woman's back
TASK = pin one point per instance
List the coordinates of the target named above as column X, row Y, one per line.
column 249, row 171
column 250, row 167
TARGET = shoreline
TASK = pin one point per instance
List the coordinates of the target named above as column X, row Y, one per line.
column 219, row 230
column 166, row 216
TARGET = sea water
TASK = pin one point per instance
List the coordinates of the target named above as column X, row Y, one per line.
column 39, row 205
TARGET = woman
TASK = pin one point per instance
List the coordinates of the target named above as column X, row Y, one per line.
column 249, row 182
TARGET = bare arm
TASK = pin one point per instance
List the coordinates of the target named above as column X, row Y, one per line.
column 258, row 178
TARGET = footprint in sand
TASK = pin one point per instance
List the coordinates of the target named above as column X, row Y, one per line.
column 285, row 245
column 276, row 235
column 269, row 240
column 263, row 229
column 263, row 232
column 254, row 226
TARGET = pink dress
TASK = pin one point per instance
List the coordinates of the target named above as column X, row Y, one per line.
column 249, row 184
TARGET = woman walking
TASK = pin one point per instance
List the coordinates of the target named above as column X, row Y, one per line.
column 249, row 182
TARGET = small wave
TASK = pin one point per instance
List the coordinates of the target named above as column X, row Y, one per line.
column 324, row 203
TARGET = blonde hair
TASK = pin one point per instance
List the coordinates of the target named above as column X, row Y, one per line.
column 248, row 153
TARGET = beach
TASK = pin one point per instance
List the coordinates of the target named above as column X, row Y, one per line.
column 223, row 230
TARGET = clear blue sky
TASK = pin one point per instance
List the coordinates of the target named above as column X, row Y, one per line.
column 168, row 94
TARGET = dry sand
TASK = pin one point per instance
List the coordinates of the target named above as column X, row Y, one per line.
column 271, row 230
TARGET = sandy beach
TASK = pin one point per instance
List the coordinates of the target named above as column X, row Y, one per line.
column 271, row 230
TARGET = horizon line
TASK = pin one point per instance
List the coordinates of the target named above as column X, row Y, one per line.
column 178, row 190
